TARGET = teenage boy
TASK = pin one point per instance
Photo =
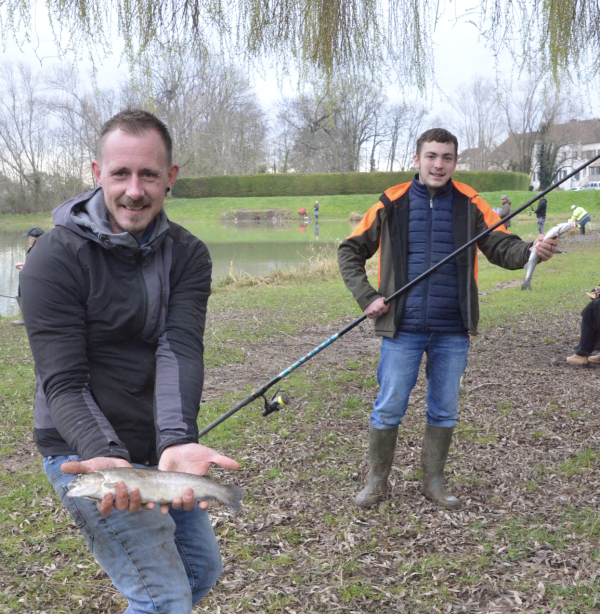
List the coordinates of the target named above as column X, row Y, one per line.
column 414, row 226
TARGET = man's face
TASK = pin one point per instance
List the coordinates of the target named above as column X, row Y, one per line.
column 435, row 162
column 504, row 200
column 134, row 176
column 31, row 241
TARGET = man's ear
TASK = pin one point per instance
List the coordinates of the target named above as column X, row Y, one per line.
column 97, row 172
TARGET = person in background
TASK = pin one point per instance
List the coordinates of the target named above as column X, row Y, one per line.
column 580, row 217
column 540, row 213
column 32, row 235
column 316, row 209
column 505, row 209
column 590, row 332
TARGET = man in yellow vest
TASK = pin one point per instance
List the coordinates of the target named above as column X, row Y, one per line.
column 580, row 217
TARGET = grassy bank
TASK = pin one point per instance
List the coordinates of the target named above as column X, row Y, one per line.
column 194, row 211
column 525, row 463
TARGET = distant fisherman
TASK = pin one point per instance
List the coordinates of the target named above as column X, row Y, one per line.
column 540, row 214
column 414, row 226
column 114, row 301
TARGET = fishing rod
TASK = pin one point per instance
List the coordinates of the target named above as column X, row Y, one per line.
column 281, row 400
column 8, row 296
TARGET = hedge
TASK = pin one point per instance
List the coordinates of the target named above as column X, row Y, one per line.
column 322, row 184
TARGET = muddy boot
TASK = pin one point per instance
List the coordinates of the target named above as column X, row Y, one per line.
column 382, row 445
column 436, row 443
column 20, row 321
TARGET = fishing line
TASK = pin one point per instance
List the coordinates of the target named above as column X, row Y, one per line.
column 274, row 405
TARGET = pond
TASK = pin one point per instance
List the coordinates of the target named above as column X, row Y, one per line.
column 251, row 248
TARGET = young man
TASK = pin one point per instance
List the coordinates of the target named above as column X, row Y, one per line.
column 414, row 226
column 114, row 300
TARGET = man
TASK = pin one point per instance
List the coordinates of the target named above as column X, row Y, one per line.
column 316, row 208
column 580, row 217
column 540, row 214
column 505, row 209
column 114, row 300
column 414, row 226
column 32, row 235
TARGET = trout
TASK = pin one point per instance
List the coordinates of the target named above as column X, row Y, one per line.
column 553, row 233
column 154, row 486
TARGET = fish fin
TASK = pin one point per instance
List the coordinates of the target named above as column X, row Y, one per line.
column 526, row 285
column 234, row 498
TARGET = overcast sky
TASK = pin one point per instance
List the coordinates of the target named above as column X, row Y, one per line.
column 459, row 55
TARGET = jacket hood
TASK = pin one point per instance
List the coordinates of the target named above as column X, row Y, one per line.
column 87, row 216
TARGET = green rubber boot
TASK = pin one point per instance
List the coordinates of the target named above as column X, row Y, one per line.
column 382, row 445
column 436, row 443
column 20, row 321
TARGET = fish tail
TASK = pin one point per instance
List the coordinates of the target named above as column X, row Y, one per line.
column 526, row 285
column 233, row 497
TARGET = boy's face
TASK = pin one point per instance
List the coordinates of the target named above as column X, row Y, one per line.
column 435, row 162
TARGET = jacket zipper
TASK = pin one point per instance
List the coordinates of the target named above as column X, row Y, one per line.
column 428, row 266
column 470, row 266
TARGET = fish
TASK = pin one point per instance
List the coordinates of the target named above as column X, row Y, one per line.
column 154, row 486
column 553, row 233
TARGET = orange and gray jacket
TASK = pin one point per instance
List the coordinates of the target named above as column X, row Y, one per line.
column 385, row 228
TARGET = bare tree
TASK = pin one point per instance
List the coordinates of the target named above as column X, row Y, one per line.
column 537, row 115
column 479, row 124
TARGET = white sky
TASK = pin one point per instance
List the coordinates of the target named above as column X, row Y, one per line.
column 458, row 56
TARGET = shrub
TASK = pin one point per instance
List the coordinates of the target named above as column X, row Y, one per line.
column 321, row 184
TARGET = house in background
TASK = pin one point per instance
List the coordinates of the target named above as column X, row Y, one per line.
column 568, row 145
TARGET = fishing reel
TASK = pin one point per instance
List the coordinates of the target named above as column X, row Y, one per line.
column 279, row 401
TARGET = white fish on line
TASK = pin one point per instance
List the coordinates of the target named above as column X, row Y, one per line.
column 553, row 233
column 154, row 486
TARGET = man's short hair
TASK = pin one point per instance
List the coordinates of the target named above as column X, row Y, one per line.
column 137, row 122
column 437, row 135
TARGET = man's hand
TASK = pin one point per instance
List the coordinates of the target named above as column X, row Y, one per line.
column 19, row 266
column 191, row 458
column 545, row 249
column 131, row 502
column 377, row 308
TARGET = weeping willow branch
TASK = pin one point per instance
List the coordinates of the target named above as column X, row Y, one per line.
column 327, row 35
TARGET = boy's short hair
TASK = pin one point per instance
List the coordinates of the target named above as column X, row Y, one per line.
column 437, row 135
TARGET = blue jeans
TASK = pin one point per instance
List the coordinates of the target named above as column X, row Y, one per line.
column 161, row 563
column 447, row 355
